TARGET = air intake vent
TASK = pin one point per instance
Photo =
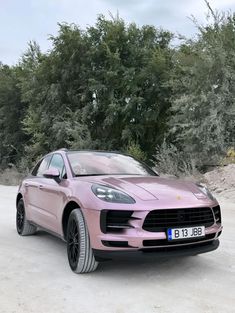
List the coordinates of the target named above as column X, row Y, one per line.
column 160, row 220
column 115, row 221
column 116, row 244
column 217, row 213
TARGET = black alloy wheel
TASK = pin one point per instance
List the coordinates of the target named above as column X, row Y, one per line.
column 20, row 216
column 73, row 244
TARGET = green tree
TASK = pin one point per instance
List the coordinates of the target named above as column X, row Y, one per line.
column 118, row 86
column 112, row 78
column 203, row 107
column 129, row 77
column 11, row 114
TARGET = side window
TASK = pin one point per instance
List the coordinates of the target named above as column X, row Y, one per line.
column 41, row 166
column 58, row 162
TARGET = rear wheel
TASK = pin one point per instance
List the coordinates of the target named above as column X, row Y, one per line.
column 80, row 254
column 24, row 228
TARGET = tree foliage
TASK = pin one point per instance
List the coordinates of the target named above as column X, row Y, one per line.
column 12, row 112
column 118, row 86
column 106, row 86
column 202, row 122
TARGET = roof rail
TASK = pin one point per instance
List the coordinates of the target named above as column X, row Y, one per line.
column 63, row 149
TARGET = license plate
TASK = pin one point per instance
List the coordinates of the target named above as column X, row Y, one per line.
column 185, row 233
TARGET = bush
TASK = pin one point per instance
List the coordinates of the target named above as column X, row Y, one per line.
column 170, row 160
column 134, row 150
column 10, row 177
column 230, row 157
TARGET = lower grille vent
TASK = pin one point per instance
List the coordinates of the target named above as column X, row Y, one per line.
column 116, row 244
column 165, row 242
column 115, row 221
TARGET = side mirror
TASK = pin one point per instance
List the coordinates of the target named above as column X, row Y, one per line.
column 52, row 173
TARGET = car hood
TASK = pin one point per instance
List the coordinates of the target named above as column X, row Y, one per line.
column 152, row 187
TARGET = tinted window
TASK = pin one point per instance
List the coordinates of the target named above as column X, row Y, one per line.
column 42, row 166
column 58, row 162
column 102, row 163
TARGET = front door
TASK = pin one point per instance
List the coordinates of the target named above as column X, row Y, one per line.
column 53, row 195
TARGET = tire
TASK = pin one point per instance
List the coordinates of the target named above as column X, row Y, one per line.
column 80, row 255
column 24, row 228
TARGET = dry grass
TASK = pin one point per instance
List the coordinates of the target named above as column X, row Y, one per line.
column 10, row 177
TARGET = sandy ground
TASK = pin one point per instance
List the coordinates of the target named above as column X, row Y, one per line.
column 35, row 276
column 221, row 180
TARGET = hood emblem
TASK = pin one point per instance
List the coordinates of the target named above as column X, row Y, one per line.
column 178, row 197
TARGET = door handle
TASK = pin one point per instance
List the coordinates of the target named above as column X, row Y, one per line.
column 26, row 185
column 40, row 186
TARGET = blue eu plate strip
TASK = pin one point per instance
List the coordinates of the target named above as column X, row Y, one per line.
column 169, row 234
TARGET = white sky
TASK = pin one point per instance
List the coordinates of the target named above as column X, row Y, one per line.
column 25, row 20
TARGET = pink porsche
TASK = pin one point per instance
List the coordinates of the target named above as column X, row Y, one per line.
column 107, row 205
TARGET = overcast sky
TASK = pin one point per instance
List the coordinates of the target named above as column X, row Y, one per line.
column 25, row 20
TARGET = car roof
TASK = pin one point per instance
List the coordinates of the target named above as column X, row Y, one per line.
column 86, row 150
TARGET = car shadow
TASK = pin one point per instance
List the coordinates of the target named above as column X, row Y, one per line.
column 52, row 238
column 163, row 266
column 145, row 269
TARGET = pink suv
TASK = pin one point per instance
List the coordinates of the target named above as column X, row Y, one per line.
column 107, row 205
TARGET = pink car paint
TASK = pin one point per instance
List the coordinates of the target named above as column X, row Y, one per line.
column 47, row 201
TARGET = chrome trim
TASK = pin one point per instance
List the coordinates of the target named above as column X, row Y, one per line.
column 120, row 226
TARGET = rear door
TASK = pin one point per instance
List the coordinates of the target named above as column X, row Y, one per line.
column 32, row 186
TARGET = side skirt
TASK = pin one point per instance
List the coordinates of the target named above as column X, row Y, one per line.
column 48, row 231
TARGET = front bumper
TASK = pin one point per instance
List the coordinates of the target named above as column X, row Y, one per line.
column 137, row 239
column 156, row 253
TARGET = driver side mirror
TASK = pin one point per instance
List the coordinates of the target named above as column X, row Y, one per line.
column 52, row 173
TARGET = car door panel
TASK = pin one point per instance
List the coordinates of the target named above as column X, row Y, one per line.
column 44, row 197
column 30, row 197
column 52, row 197
column 32, row 186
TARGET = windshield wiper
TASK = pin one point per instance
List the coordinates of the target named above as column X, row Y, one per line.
column 111, row 174
column 80, row 175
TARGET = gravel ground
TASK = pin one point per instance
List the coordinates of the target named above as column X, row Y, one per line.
column 222, row 181
column 35, row 276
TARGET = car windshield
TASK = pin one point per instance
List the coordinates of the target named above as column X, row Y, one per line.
column 106, row 163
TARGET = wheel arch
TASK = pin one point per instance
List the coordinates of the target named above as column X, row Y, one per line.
column 19, row 196
column 70, row 206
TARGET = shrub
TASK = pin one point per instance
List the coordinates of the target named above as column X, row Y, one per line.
column 230, row 157
column 10, row 176
column 134, row 150
column 170, row 160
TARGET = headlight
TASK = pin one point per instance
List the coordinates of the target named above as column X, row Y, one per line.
column 206, row 192
column 111, row 195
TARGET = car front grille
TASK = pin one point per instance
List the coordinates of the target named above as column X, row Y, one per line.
column 160, row 220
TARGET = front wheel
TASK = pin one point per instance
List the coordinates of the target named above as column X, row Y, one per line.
column 80, row 254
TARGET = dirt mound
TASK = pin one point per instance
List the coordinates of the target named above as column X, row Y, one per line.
column 222, row 180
